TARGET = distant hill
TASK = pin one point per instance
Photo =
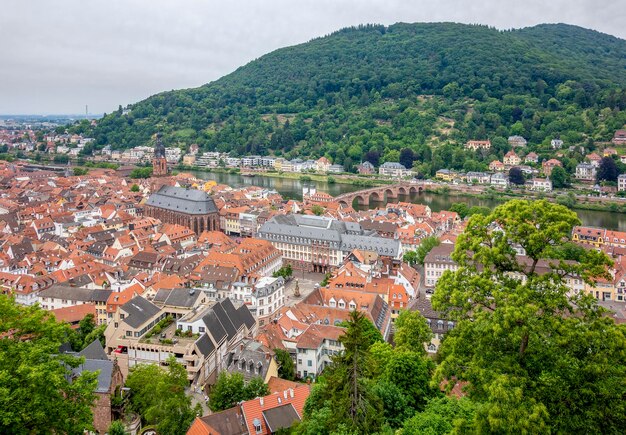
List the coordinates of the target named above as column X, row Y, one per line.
column 374, row 90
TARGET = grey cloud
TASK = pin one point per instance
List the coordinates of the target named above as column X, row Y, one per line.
column 60, row 55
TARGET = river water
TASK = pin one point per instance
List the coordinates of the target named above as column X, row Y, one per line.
column 292, row 189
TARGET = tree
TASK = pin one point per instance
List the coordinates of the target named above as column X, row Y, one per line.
column 369, row 331
column 141, row 173
column 286, row 367
column 410, row 257
column 373, row 157
column 158, row 395
column 516, row 176
column 317, row 210
column 38, row 393
column 460, row 208
column 559, row 178
column 555, row 363
column 411, row 373
column 441, row 416
column 227, row 391
column 134, row 188
column 412, row 331
column 407, row 157
column 256, row 388
column 231, row 388
column 285, row 272
column 80, row 171
column 116, row 428
column 343, row 400
column 608, row 170
column 425, row 246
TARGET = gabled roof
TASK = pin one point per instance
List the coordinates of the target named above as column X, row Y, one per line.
column 94, row 351
column 205, row 345
column 281, row 417
column 189, row 201
column 227, row 422
column 139, row 310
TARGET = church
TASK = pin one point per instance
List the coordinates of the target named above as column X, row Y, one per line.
column 159, row 163
column 192, row 208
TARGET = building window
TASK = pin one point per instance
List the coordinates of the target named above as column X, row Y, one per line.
column 201, row 328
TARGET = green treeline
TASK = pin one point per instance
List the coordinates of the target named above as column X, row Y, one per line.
column 372, row 91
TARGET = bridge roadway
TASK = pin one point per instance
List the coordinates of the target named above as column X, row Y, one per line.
column 382, row 193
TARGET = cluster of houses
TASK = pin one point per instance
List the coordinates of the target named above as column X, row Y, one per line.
column 216, row 159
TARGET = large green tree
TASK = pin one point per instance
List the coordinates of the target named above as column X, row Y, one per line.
column 343, row 399
column 286, row 367
column 38, row 393
column 559, row 178
column 158, row 395
column 412, row 331
column 231, row 388
column 425, row 246
column 537, row 356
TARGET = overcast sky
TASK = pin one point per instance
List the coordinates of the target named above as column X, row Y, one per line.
column 59, row 55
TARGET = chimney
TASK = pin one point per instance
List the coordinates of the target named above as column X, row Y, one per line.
column 267, row 356
column 261, row 401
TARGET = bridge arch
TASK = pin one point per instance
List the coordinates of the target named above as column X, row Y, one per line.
column 361, row 199
column 402, row 190
column 343, row 203
column 375, row 196
column 390, row 195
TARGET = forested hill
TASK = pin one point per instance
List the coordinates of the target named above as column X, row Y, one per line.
column 380, row 89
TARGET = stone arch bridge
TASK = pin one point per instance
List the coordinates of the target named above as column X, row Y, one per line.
column 388, row 193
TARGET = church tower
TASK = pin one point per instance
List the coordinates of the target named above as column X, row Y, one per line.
column 159, row 163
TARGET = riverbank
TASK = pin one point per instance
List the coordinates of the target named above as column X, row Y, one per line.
column 569, row 200
column 352, row 180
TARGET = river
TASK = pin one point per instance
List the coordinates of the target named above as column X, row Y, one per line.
column 292, row 189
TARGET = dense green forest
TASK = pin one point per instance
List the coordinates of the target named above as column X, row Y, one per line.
column 371, row 91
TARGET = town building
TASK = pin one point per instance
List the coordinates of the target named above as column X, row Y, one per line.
column 556, row 144
column 517, row 141
column 251, row 359
column 365, row 168
column 478, row 177
column 478, row 144
column 192, row 208
column 621, row 183
column 619, row 138
column 549, row 165
column 198, row 336
column 594, row 159
column 159, row 163
column 315, row 349
column 586, row 172
column 496, row 165
column 512, row 159
column 437, row 261
column 541, row 184
column 317, row 243
column 394, row 170
column 263, row 298
column 531, row 157
column 499, row 179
